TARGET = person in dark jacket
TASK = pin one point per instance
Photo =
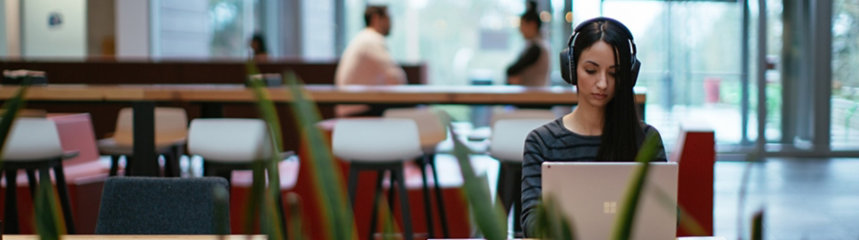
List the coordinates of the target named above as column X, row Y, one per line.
column 532, row 66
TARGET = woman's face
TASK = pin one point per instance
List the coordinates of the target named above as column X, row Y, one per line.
column 596, row 71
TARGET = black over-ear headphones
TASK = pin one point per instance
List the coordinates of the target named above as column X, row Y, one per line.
column 568, row 68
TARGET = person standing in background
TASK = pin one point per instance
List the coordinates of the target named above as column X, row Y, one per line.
column 366, row 61
column 532, row 67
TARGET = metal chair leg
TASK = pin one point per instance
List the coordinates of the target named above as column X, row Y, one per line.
column 114, row 165
column 10, row 214
column 377, row 193
column 31, row 179
column 427, row 203
column 353, row 183
column 442, row 212
column 63, row 191
column 408, row 234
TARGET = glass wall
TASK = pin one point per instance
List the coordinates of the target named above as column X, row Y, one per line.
column 459, row 40
column 845, row 75
column 691, row 62
column 217, row 29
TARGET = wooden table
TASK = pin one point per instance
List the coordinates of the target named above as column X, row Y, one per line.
column 143, row 99
column 142, row 237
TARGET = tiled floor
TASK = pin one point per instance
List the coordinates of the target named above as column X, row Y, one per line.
column 801, row 198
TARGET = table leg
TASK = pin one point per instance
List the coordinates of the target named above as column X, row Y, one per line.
column 212, row 110
column 145, row 160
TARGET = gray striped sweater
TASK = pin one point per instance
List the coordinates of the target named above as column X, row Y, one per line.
column 555, row 143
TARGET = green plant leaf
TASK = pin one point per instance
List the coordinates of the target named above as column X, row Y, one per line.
column 272, row 215
column 623, row 224
column 49, row 221
column 326, row 178
column 490, row 217
column 552, row 224
column 11, row 108
column 294, row 203
column 389, row 227
column 222, row 208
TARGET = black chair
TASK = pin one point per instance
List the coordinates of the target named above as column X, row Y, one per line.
column 146, row 205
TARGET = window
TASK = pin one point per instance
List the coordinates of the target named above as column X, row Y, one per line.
column 203, row 28
column 845, row 84
column 460, row 41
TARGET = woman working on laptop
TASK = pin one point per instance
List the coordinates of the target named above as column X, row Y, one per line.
column 600, row 60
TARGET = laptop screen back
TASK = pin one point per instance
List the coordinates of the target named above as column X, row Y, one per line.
column 591, row 195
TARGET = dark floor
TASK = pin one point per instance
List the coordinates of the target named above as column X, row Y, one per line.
column 802, row 198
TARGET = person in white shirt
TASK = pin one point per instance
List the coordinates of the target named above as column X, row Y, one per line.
column 366, row 61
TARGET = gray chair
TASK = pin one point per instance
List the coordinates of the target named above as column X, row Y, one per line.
column 146, row 205
column 34, row 144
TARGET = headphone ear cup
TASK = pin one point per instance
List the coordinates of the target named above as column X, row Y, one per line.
column 566, row 66
column 635, row 68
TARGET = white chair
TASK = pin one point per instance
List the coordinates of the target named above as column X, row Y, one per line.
column 508, row 146
column 33, row 144
column 171, row 131
column 228, row 144
column 522, row 114
column 381, row 145
column 432, row 129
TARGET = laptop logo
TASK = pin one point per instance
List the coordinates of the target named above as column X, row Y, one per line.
column 609, row 207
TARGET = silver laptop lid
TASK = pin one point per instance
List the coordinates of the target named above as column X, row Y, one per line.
column 591, row 195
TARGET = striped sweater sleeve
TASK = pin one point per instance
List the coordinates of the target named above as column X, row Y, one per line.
column 531, row 180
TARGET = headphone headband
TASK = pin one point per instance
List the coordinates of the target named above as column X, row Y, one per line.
column 568, row 65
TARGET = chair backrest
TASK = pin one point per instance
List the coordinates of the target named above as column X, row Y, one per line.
column 522, row 114
column 32, row 139
column 76, row 134
column 431, row 123
column 171, row 125
column 508, row 138
column 145, row 205
column 229, row 139
column 376, row 139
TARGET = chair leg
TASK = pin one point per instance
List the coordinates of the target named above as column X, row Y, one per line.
column 353, row 184
column 114, row 165
column 31, row 180
column 404, row 203
column 427, row 203
column 63, row 191
column 502, row 188
column 171, row 162
column 377, row 192
column 391, row 190
column 11, row 212
column 516, row 187
column 128, row 165
column 442, row 212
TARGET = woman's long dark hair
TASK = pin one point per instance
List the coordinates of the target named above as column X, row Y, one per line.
column 622, row 134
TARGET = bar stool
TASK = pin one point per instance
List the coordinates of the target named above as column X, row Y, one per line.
column 229, row 144
column 33, row 144
column 508, row 146
column 432, row 130
column 381, row 145
column 171, row 131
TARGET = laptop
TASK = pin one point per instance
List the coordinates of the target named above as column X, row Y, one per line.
column 591, row 195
